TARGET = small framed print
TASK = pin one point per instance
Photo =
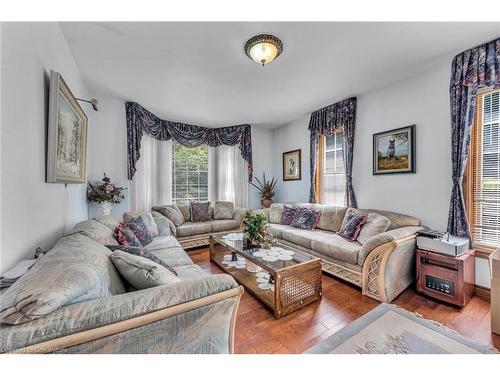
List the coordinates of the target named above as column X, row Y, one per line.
column 394, row 151
column 292, row 167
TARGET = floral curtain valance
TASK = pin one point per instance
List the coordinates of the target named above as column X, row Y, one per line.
column 140, row 120
column 324, row 122
column 472, row 69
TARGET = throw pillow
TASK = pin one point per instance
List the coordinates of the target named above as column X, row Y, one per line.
column 165, row 226
column 147, row 217
column 351, row 226
column 172, row 213
column 288, row 214
column 306, row 218
column 184, row 208
column 138, row 226
column 223, row 210
column 140, row 272
column 125, row 236
column 141, row 252
column 375, row 224
column 200, row 211
column 275, row 213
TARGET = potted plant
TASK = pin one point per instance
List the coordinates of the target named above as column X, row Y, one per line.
column 255, row 231
column 266, row 190
column 105, row 193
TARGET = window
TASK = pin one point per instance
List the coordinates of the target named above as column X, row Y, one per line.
column 483, row 191
column 189, row 173
column 333, row 169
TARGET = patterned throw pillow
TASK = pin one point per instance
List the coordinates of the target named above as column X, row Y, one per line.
column 200, row 211
column 125, row 236
column 351, row 226
column 306, row 218
column 142, row 252
column 141, row 231
column 288, row 214
column 147, row 217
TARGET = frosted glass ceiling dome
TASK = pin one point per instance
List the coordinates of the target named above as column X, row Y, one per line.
column 263, row 48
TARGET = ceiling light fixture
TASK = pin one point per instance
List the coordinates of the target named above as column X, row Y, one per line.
column 263, row 48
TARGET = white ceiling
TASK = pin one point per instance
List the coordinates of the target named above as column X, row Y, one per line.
column 198, row 72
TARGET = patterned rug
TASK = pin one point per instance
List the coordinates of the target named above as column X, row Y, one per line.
column 388, row 329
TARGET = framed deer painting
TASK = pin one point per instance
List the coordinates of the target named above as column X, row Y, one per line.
column 394, row 151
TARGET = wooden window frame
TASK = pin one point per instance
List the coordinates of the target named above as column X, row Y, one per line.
column 320, row 165
column 472, row 169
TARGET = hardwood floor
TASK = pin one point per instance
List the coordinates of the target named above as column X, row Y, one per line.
column 258, row 332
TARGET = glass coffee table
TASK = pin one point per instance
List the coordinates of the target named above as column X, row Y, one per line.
column 284, row 278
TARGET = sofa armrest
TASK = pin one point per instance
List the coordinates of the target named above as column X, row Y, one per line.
column 90, row 316
column 389, row 263
column 239, row 214
column 397, row 235
column 262, row 211
column 165, row 226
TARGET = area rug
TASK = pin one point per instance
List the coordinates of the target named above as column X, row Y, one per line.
column 388, row 329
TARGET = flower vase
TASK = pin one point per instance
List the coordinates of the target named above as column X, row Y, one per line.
column 105, row 209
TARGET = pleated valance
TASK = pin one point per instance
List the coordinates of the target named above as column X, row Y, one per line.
column 140, row 120
column 326, row 120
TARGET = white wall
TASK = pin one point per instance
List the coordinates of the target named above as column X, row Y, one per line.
column 422, row 100
column 287, row 138
column 32, row 210
column 108, row 152
column 262, row 155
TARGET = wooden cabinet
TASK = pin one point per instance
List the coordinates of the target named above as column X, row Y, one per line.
column 446, row 278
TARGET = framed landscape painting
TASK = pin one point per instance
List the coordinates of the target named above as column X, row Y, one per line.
column 291, row 166
column 67, row 135
column 394, row 151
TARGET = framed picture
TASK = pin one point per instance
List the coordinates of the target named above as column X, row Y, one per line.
column 394, row 151
column 67, row 135
column 292, row 168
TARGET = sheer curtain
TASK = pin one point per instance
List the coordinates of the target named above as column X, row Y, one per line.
column 152, row 183
column 227, row 175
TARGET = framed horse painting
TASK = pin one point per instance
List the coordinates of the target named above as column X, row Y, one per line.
column 394, row 151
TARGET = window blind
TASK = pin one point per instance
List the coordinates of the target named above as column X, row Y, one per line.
column 189, row 173
column 486, row 154
column 333, row 189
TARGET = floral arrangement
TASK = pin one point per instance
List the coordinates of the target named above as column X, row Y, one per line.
column 255, row 230
column 104, row 191
column 265, row 187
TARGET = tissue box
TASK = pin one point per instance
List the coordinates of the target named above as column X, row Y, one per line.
column 495, row 291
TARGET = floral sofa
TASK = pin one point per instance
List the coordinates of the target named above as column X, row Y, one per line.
column 224, row 218
column 73, row 300
column 383, row 265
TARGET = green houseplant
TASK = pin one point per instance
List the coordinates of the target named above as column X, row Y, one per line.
column 255, row 231
column 266, row 190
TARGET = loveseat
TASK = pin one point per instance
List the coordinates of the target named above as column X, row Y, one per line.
column 383, row 265
column 73, row 300
column 224, row 217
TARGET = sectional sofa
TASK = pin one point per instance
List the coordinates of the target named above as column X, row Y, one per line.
column 382, row 265
column 225, row 217
column 74, row 301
